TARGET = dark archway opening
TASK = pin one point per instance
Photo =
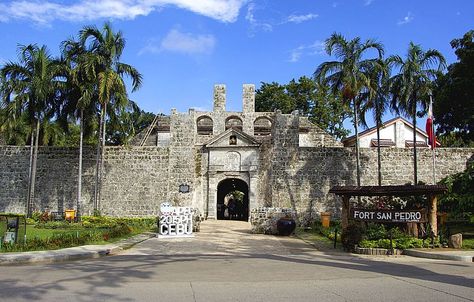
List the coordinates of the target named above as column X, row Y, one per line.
column 233, row 200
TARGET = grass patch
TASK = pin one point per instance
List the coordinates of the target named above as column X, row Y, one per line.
column 468, row 244
column 320, row 241
column 466, row 228
column 50, row 235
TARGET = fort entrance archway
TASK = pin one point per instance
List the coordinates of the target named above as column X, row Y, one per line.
column 233, row 199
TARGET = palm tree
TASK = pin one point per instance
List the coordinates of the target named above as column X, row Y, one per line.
column 376, row 99
column 79, row 97
column 31, row 87
column 104, row 50
column 349, row 75
column 411, row 86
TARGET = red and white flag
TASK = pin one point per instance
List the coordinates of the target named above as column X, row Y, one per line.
column 430, row 127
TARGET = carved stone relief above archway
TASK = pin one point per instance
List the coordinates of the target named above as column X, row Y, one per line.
column 232, row 162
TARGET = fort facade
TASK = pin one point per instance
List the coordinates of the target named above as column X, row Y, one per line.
column 197, row 158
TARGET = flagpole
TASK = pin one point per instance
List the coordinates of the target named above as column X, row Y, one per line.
column 433, row 140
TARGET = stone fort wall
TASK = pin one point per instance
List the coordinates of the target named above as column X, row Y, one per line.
column 134, row 184
column 297, row 165
column 138, row 179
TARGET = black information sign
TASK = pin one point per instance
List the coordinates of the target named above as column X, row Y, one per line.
column 183, row 188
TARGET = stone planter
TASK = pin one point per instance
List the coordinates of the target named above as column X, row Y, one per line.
column 376, row 251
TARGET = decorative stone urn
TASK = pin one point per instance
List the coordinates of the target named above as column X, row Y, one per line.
column 286, row 226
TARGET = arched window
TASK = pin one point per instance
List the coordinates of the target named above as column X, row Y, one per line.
column 233, row 122
column 262, row 126
column 204, row 125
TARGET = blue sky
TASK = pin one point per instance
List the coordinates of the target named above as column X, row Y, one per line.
column 184, row 47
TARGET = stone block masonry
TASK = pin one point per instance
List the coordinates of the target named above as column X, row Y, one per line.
column 138, row 179
column 134, row 184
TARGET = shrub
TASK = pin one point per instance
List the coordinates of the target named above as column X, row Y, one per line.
column 400, row 243
column 329, row 232
column 460, row 196
column 368, row 243
column 375, row 231
column 63, row 224
column 352, row 236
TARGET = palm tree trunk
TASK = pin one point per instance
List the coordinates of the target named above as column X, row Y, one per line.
column 415, row 168
column 356, row 122
column 97, row 163
column 28, row 196
column 79, row 177
column 379, row 161
column 33, row 169
column 102, row 152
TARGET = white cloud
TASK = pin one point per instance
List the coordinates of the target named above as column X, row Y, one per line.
column 301, row 18
column 368, row 2
column 317, row 48
column 198, row 108
column 44, row 12
column 407, row 19
column 185, row 43
column 254, row 23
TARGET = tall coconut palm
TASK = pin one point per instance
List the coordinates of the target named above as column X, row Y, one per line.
column 376, row 100
column 105, row 49
column 349, row 75
column 31, row 87
column 411, row 85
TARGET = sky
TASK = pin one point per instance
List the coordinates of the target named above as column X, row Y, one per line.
column 184, row 47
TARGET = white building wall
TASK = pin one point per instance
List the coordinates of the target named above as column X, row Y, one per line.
column 398, row 132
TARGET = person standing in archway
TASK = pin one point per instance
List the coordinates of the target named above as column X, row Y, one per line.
column 232, row 208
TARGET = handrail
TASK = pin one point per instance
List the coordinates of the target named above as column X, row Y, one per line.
column 149, row 130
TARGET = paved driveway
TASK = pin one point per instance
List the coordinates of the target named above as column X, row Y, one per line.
column 226, row 263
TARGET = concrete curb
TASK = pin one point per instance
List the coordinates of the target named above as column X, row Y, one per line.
column 439, row 255
column 72, row 253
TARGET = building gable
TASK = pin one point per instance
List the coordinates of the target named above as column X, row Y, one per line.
column 232, row 138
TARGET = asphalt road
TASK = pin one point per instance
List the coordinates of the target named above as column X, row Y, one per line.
column 226, row 263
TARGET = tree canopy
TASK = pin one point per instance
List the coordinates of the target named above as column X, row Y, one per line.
column 311, row 99
column 56, row 90
column 454, row 96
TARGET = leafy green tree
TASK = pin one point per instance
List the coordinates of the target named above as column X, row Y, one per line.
column 329, row 112
column 127, row 124
column 31, row 87
column 348, row 76
column 14, row 131
column 412, row 84
column 454, row 96
column 311, row 99
column 272, row 96
column 460, row 196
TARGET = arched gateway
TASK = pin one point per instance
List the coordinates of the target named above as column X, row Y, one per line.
column 233, row 199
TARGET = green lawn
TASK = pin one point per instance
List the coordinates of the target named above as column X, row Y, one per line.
column 321, row 242
column 32, row 232
column 467, row 230
column 71, row 235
